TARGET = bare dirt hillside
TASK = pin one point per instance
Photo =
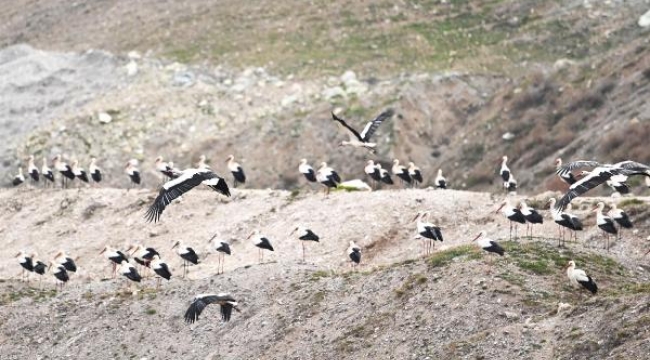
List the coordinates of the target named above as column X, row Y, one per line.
column 452, row 304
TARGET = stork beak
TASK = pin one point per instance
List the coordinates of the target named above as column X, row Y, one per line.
column 416, row 217
column 103, row 251
column 293, row 231
column 594, row 209
column 212, row 238
column 477, row 236
column 251, row 235
column 500, row 207
column 647, row 253
column 17, row 255
column 175, row 245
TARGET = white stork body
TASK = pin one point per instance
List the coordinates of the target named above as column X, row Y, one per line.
column 114, row 256
column 189, row 179
column 577, row 277
column 441, row 182
column 63, row 259
column 328, row 177
column 531, row 215
column 128, row 271
column 133, row 172
column 187, row 254
column 262, row 243
column 566, row 176
column 60, row 273
column 236, row 170
column 305, row 235
column 384, row 175
column 513, row 214
column 604, row 223
column 64, row 169
column 160, row 268
column 18, row 179
column 488, row 244
column 47, row 172
column 415, row 174
column 621, row 218
column 27, row 264
column 363, row 139
column 401, row 172
column 95, row 171
column 354, row 253
column 32, row 170
column 223, row 249
column 225, row 300
column 78, row 172
column 307, row 170
column 427, row 231
column 373, row 172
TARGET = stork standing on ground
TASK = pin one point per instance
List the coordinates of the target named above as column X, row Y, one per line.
column 187, row 254
column 142, row 255
column 384, row 175
column 47, row 172
column 427, row 231
column 226, row 301
column 564, row 220
column 60, row 273
column 78, row 172
column 600, row 174
column 39, row 268
column 328, row 177
column 189, row 179
column 604, row 223
column 262, row 243
column 114, row 256
column 128, row 271
column 532, row 217
column 223, row 249
column 161, row 269
column 68, row 263
column 27, row 264
column 621, row 218
column 64, row 169
column 401, row 172
column 577, row 277
column 373, row 172
column 18, row 179
column 415, row 174
column 236, row 170
column 307, row 170
column 363, row 139
column 95, row 171
column 133, row 172
column 441, row 182
column 354, row 253
column 488, row 244
column 32, row 170
column 304, row 235
column 513, row 214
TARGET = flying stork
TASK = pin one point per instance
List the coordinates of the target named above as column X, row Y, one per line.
column 236, row 170
column 188, row 180
column 328, row 177
column 415, row 174
column 223, row 249
column 32, row 170
column 363, row 139
column 304, row 235
column 427, row 231
column 566, row 176
column 225, row 300
column 441, row 182
column 307, row 170
column 262, row 242
column 604, row 222
column 577, row 277
column 187, row 254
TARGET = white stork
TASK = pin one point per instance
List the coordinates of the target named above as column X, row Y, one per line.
column 223, row 249
column 167, row 169
column 188, row 180
column 415, row 174
column 225, row 300
column 236, row 170
column 262, row 242
column 142, row 255
column 304, row 235
column 509, row 183
column 488, row 244
column 427, row 231
column 513, row 214
column 202, row 163
column 187, row 254
column 95, row 171
column 307, row 170
column 47, row 172
column 63, row 259
column 604, row 223
column 114, row 256
column 354, row 253
column 578, row 277
column 161, row 269
column 566, row 176
column 32, row 170
column 371, row 170
column 78, row 172
column 621, row 218
column 328, row 177
column 60, row 273
column 531, row 215
column 18, row 179
column 64, row 169
column 401, row 172
column 27, row 264
column 39, row 267
column 441, row 182
column 564, row 219
column 128, row 271
column 363, row 139
column 384, row 175
column 600, row 174
column 133, row 172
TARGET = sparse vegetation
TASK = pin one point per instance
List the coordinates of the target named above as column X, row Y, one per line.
column 442, row 258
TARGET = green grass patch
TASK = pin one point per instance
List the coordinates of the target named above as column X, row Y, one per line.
column 627, row 203
column 410, row 283
column 442, row 258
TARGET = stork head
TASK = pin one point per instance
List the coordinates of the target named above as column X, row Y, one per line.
column 395, row 161
column 378, row 166
column 303, row 161
column 323, row 165
column 504, row 159
column 439, row 172
column 344, row 143
column 571, row 264
column 551, row 202
column 411, row 164
column 558, row 162
column 159, row 159
column 370, row 163
column 93, row 160
column 30, row 158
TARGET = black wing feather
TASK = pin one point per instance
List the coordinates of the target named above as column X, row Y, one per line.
column 372, row 126
column 342, row 122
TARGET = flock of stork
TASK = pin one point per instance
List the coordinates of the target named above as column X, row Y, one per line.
column 181, row 181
